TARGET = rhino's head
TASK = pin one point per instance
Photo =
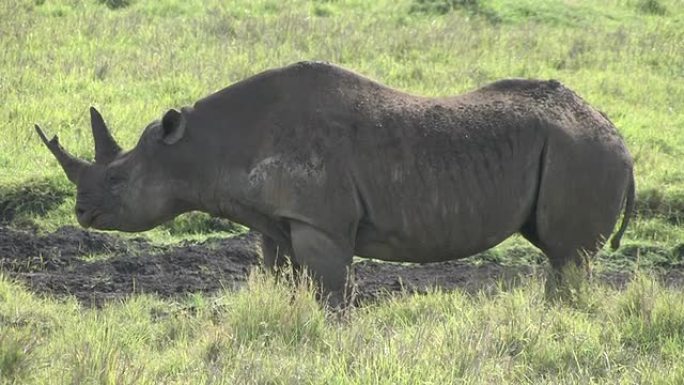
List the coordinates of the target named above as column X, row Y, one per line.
column 129, row 191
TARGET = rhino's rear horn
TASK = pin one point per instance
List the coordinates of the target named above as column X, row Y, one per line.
column 106, row 148
column 72, row 166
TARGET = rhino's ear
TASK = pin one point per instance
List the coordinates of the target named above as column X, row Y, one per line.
column 172, row 126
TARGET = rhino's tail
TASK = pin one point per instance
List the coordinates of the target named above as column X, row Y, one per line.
column 629, row 210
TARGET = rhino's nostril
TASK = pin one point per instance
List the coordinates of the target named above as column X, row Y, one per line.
column 79, row 211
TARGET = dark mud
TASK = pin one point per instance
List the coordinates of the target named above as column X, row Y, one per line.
column 95, row 267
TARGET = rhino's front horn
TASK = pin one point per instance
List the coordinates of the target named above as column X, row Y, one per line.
column 72, row 166
column 106, row 148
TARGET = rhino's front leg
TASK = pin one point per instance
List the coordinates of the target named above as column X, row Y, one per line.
column 328, row 261
column 273, row 259
column 275, row 256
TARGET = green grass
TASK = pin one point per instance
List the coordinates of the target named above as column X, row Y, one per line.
column 134, row 59
column 267, row 335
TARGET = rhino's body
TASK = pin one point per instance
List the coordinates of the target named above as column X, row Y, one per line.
column 328, row 164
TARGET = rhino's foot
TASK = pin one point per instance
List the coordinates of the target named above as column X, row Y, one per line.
column 339, row 301
column 567, row 282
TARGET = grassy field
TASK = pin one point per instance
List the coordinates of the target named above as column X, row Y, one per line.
column 135, row 62
column 265, row 335
column 134, row 59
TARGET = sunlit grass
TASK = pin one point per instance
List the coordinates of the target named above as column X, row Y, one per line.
column 272, row 332
column 135, row 59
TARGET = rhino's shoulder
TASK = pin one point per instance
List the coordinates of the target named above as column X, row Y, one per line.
column 325, row 71
column 313, row 65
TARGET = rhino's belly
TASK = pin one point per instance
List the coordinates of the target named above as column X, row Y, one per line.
column 432, row 230
column 440, row 245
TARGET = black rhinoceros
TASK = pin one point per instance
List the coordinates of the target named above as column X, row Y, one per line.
column 328, row 164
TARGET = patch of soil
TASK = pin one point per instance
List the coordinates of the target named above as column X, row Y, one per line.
column 95, row 267
column 375, row 279
column 72, row 261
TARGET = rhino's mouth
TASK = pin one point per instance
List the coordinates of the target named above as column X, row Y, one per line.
column 91, row 219
column 85, row 217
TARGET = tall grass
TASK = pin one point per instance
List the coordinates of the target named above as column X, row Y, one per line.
column 267, row 334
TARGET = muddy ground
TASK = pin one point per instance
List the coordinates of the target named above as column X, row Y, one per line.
column 96, row 266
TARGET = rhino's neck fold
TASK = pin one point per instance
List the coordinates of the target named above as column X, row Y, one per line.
column 186, row 197
column 209, row 196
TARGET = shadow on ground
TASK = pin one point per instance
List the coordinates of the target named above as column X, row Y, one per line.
column 96, row 266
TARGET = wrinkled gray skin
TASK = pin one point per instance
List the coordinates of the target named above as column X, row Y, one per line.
column 328, row 164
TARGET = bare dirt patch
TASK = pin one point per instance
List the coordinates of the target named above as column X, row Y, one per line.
column 96, row 266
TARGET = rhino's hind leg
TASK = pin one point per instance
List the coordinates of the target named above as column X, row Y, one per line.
column 327, row 260
column 580, row 195
column 568, row 267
